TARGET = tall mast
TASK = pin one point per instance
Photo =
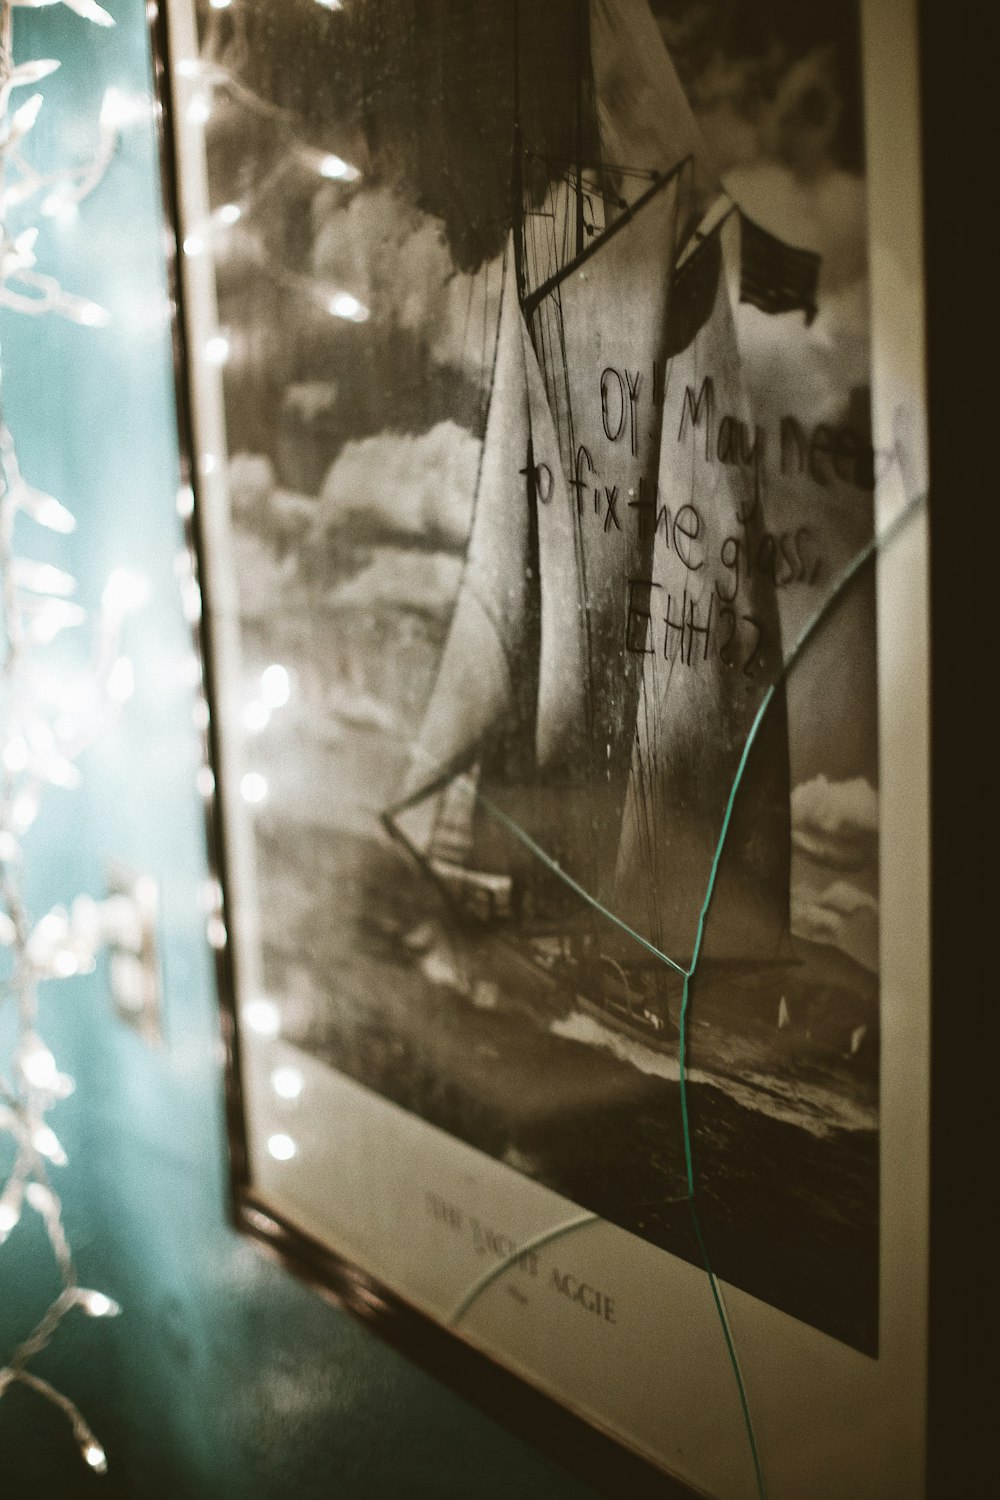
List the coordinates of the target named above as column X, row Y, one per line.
column 517, row 164
column 578, row 144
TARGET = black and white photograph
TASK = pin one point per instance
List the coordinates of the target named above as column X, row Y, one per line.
column 544, row 342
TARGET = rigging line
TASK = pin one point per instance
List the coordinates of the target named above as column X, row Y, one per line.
column 576, row 515
column 484, row 395
column 468, row 312
column 600, row 241
column 542, row 315
column 574, row 885
column 579, row 549
column 643, row 174
column 425, row 862
column 578, row 131
column 541, row 323
column 644, row 835
column 556, row 316
column 548, row 315
column 698, row 238
column 489, row 401
column 656, row 777
column 651, row 794
column 536, row 1243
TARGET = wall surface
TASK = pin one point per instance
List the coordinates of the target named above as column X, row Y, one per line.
column 224, row 1376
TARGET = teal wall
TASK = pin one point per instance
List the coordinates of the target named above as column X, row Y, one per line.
column 224, row 1376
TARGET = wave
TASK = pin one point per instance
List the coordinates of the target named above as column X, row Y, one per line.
column 805, row 1104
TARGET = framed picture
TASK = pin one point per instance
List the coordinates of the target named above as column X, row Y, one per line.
column 559, row 482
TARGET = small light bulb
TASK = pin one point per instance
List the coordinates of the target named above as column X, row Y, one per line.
column 193, row 244
column 9, row 1219
column 287, row 1083
column 49, row 512
column 216, row 934
column 59, row 771
column 191, row 601
column 15, row 755
column 96, row 1457
column 53, row 616
column 210, row 895
column 217, row 349
column 91, row 11
column 23, row 118
column 256, row 716
column 65, row 964
column 41, row 1198
column 59, row 206
column 253, row 788
column 275, row 686
column 33, row 71
column 263, row 1017
column 37, row 1064
column 343, row 305
column 336, row 169
column 125, row 591
column 90, row 314
column 24, row 811
column 229, row 213
column 281, row 1147
column 199, row 110
column 42, row 578
column 96, row 1304
column 121, row 680
column 46, row 1143
column 120, row 109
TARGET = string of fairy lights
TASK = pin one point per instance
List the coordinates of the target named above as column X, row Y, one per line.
column 48, row 714
column 48, row 717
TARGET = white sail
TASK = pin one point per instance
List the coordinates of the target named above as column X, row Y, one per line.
column 485, row 706
column 475, row 681
column 712, row 652
column 642, row 109
column 602, row 552
column 562, row 678
column 599, row 332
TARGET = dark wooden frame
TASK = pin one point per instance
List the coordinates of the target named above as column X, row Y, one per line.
column 958, row 85
column 964, row 1328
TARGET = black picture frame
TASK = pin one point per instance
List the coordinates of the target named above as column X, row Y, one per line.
column 961, row 1338
column 955, row 85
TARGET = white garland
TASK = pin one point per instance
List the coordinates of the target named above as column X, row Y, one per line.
column 46, row 720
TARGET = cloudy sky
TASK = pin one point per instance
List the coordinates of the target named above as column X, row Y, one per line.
column 414, row 96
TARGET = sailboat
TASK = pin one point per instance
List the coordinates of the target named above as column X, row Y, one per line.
column 612, row 640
